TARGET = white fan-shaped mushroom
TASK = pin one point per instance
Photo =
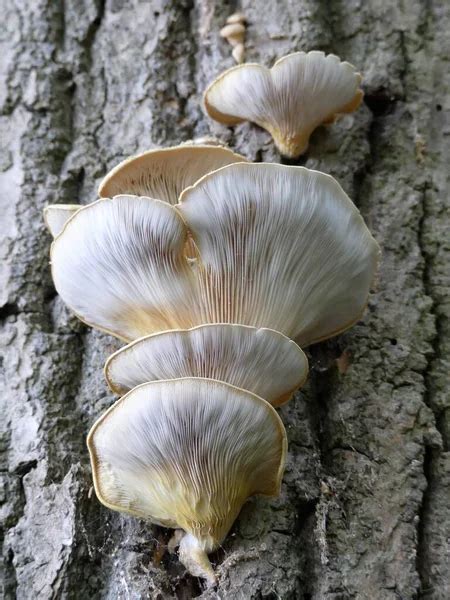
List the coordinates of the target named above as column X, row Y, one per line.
column 300, row 92
column 119, row 264
column 165, row 173
column 56, row 216
column 280, row 247
column 261, row 361
column 187, row 453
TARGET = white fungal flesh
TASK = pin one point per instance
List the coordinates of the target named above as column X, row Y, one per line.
column 281, row 247
column 166, row 172
column 119, row 264
column 261, row 361
column 290, row 100
column 56, row 216
column 187, row 453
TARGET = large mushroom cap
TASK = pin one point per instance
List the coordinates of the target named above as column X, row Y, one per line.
column 120, row 265
column 261, row 361
column 280, row 247
column 165, row 173
column 56, row 216
column 187, row 453
column 300, row 92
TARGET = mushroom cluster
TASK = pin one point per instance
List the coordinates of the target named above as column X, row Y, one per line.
column 216, row 272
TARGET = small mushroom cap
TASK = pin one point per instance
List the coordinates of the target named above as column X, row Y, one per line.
column 237, row 17
column 234, row 33
column 56, row 216
column 261, row 361
column 300, row 92
column 119, row 264
column 187, row 454
column 280, row 247
column 165, row 173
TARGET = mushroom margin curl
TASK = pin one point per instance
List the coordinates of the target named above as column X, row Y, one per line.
column 166, row 452
column 261, row 361
column 300, row 92
column 163, row 173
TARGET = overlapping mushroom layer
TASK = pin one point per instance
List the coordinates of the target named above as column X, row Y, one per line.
column 211, row 292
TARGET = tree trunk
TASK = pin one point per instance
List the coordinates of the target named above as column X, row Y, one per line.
column 364, row 511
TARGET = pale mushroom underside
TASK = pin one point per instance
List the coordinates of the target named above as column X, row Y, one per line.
column 165, row 173
column 300, row 92
column 261, row 361
column 187, row 453
column 278, row 247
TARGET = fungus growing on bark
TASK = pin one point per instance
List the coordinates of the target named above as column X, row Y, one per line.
column 119, row 264
column 280, row 247
column 56, row 216
column 188, row 453
column 165, row 173
column 299, row 93
column 261, row 361
column 276, row 246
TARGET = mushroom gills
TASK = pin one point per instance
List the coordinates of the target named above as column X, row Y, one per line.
column 164, row 173
column 299, row 93
column 166, row 452
column 279, row 247
column 261, row 361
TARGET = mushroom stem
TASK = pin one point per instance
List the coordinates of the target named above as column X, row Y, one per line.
column 193, row 555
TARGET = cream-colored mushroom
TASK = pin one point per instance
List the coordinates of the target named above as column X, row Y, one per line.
column 187, row 453
column 279, row 247
column 119, row 264
column 56, row 216
column 300, row 92
column 261, row 361
column 234, row 33
column 165, row 173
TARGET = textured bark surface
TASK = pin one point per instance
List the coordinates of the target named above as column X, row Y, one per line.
column 365, row 510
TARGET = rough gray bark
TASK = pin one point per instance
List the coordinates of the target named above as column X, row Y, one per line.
column 364, row 511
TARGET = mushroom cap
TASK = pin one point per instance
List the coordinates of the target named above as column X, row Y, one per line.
column 119, row 264
column 165, row 173
column 56, row 216
column 300, row 92
column 280, row 247
column 187, row 453
column 261, row 361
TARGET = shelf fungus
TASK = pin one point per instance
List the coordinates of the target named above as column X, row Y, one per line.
column 119, row 264
column 280, row 247
column 187, row 454
column 56, row 216
column 261, row 361
column 213, row 292
column 299, row 93
column 164, row 173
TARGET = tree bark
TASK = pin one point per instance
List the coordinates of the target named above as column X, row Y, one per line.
column 364, row 511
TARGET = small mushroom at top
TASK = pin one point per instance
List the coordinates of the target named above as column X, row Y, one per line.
column 164, row 173
column 261, row 361
column 56, row 216
column 187, row 454
column 299, row 93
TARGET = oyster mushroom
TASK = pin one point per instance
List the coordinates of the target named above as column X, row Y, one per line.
column 280, row 247
column 56, row 216
column 276, row 246
column 261, row 361
column 187, row 453
column 165, row 173
column 119, row 264
column 300, row 92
